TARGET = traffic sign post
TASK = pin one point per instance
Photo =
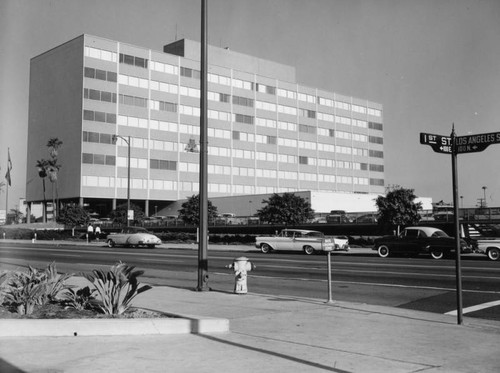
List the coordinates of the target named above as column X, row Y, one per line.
column 458, row 145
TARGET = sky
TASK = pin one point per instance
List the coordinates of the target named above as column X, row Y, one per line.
column 432, row 64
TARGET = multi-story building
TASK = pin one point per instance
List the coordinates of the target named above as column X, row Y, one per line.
column 266, row 132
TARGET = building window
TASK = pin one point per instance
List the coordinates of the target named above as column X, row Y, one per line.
column 190, row 73
column 99, row 116
column 303, row 160
column 375, row 140
column 160, row 164
column 240, row 118
column 377, row 182
column 262, row 88
column 134, row 101
column 375, row 126
column 93, row 94
column 100, row 54
column 100, row 74
column 102, row 159
column 133, row 60
column 242, row 101
column 307, row 129
column 376, row 154
column 376, row 167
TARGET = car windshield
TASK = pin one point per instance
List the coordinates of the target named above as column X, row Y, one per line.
column 313, row 234
column 439, row 234
column 135, row 230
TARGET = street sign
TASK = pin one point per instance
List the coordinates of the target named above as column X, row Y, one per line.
column 440, row 144
column 476, row 143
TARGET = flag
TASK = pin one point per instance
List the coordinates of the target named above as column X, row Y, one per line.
column 9, row 167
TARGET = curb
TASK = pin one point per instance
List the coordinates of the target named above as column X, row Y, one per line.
column 108, row 327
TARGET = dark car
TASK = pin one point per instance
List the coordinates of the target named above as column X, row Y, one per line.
column 418, row 240
column 337, row 216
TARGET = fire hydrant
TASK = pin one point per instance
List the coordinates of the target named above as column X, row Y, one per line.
column 241, row 266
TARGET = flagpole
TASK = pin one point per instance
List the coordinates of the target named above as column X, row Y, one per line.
column 7, row 190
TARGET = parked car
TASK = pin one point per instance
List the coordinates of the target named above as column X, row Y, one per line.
column 418, row 240
column 337, row 216
column 133, row 236
column 490, row 246
column 296, row 240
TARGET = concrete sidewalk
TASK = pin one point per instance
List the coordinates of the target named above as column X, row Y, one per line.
column 270, row 334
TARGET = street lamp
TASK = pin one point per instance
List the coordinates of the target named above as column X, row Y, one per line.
column 127, row 140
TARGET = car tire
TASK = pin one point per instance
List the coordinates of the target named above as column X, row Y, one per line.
column 265, row 248
column 437, row 254
column 493, row 253
column 111, row 243
column 383, row 251
column 308, row 250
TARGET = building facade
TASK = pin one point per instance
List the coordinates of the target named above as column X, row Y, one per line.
column 266, row 132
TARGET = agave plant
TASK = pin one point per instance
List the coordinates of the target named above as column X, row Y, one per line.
column 4, row 278
column 80, row 299
column 117, row 287
column 25, row 290
column 55, row 282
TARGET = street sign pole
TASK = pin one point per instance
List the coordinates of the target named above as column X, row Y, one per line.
column 458, row 145
column 458, row 269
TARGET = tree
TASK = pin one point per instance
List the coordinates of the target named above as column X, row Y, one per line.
column 73, row 215
column 120, row 214
column 41, row 166
column 53, row 170
column 286, row 209
column 190, row 211
column 398, row 208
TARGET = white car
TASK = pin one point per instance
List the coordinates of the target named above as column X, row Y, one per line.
column 133, row 236
column 296, row 239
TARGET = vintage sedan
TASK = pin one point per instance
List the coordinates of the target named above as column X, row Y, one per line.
column 418, row 240
column 296, row 240
column 133, row 236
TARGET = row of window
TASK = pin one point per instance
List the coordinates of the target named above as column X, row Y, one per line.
column 103, row 182
column 154, row 184
column 225, row 134
column 220, row 97
column 159, row 164
column 223, row 80
column 105, row 96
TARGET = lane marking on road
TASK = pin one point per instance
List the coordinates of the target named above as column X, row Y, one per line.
column 372, row 284
column 412, row 274
column 475, row 308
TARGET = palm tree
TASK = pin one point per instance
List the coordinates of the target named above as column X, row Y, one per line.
column 53, row 169
column 41, row 165
column 54, row 144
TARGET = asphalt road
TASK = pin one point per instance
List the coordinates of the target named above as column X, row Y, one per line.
column 414, row 283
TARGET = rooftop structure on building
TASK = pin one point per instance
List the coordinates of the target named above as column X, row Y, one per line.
column 267, row 132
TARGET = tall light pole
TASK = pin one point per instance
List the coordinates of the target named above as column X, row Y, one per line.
column 203, row 242
column 127, row 140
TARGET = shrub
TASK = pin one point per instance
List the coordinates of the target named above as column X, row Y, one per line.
column 4, row 279
column 117, row 288
column 81, row 299
column 35, row 287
